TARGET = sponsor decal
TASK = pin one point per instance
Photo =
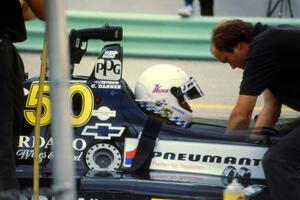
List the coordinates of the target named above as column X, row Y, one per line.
column 108, row 69
column 104, row 113
column 25, row 154
column 110, row 54
column 129, row 155
column 106, row 85
column 103, row 131
column 158, row 89
column 26, row 148
column 166, row 112
column 178, row 110
column 117, row 87
column 100, row 82
column 76, row 89
column 187, row 86
column 205, row 158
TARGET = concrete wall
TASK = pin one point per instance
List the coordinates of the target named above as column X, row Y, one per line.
column 255, row 8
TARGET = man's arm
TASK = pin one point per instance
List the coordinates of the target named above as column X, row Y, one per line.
column 33, row 8
column 241, row 114
column 270, row 112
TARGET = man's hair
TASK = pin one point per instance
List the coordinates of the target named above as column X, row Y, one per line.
column 228, row 34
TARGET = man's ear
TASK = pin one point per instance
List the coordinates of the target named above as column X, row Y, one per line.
column 237, row 48
column 241, row 46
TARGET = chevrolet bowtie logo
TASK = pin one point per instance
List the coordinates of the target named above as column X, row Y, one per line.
column 102, row 131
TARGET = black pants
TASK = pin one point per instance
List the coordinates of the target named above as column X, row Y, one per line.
column 11, row 111
column 281, row 164
column 206, row 7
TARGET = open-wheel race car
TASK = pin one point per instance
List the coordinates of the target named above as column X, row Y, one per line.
column 120, row 149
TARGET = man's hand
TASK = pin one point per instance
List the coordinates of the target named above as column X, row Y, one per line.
column 32, row 9
column 27, row 12
column 241, row 114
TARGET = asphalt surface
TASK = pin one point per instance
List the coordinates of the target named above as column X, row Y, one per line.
column 218, row 81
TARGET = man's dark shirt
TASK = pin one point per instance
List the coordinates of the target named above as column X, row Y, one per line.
column 273, row 62
column 11, row 20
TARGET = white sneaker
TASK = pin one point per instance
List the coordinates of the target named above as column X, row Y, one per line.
column 187, row 11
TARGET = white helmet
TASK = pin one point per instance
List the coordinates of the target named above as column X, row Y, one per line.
column 164, row 89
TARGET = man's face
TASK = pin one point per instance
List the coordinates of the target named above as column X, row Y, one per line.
column 235, row 59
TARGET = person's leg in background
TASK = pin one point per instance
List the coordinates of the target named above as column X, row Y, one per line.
column 10, row 77
column 281, row 164
column 188, row 2
column 187, row 10
column 18, row 99
column 206, row 7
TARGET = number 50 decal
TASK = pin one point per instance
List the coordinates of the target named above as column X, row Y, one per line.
column 77, row 120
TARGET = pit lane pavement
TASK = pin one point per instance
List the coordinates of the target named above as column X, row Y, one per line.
column 218, row 81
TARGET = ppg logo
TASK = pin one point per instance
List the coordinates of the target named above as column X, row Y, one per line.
column 108, row 69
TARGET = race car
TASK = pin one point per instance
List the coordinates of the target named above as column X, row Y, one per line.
column 119, row 148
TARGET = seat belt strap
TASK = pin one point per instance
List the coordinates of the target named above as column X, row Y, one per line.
column 143, row 156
